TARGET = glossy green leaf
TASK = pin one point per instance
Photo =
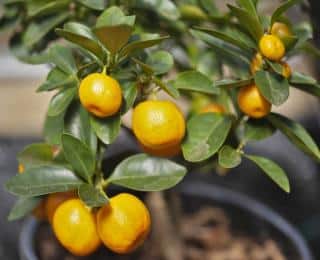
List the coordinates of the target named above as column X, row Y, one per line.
column 77, row 123
column 92, row 196
column 296, row 133
column 206, row 133
column 107, row 129
column 250, row 22
column 273, row 87
column 272, row 170
column 145, row 173
column 94, row 4
column 195, row 81
column 23, row 207
column 62, row 57
column 53, row 129
column 58, row 79
column 258, row 129
column 36, row 154
column 114, row 37
column 229, row 157
column 60, row 102
column 83, row 36
column 79, row 155
column 160, row 61
column 141, row 45
column 43, row 180
column 227, row 38
column 36, row 31
column 282, row 9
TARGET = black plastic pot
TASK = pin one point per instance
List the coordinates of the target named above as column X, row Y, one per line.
column 245, row 212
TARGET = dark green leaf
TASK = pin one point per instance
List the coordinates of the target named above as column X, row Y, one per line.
column 53, row 129
column 258, row 129
column 146, row 68
column 77, row 123
column 229, row 83
column 296, row 134
column 81, row 35
column 43, row 180
column 107, row 129
column 114, row 37
column 195, row 81
column 42, row 7
column 23, row 207
column 273, row 87
column 92, row 196
column 160, row 61
column 36, row 154
column 141, row 45
column 305, row 83
column 145, row 173
column 130, row 93
column 250, row 6
column 229, row 157
column 273, row 171
column 206, row 133
column 62, row 57
column 60, row 102
column 281, row 9
column 94, row 4
column 79, row 156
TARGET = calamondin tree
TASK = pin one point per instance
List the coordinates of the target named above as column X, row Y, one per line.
column 108, row 59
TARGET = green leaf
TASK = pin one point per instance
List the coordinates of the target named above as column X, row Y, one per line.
column 77, row 123
column 160, row 61
column 195, row 81
column 258, row 129
column 43, row 180
column 79, row 156
column 53, row 129
column 273, row 87
column 36, row 154
column 145, row 173
column 250, row 22
column 305, row 83
column 273, row 171
column 60, row 102
column 94, row 4
column 62, row 57
column 36, row 31
column 130, row 93
column 23, row 206
column 113, row 37
column 107, row 129
column 145, row 68
column 168, row 87
column 250, row 6
column 91, row 196
column 228, row 38
column 281, row 9
column 43, row 7
column 206, row 133
column 114, row 16
column 165, row 8
column 82, row 36
column 58, row 79
column 296, row 133
column 229, row 157
column 141, row 45
column 229, row 83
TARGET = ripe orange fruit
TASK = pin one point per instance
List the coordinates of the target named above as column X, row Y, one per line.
column 158, row 125
column 213, row 108
column 75, row 227
column 252, row 103
column 272, row 47
column 100, row 94
column 54, row 200
column 169, row 151
column 281, row 30
column 256, row 63
column 123, row 223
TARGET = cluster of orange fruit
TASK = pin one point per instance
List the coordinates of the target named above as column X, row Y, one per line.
column 272, row 47
column 121, row 225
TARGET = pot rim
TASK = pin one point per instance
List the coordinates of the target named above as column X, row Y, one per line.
column 202, row 190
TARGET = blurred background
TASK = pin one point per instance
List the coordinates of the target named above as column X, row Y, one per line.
column 22, row 113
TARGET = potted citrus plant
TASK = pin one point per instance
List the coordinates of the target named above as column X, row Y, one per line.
column 114, row 61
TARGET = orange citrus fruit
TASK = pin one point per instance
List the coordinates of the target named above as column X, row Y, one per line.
column 123, row 223
column 100, row 94
column 75, row 227
column 272, row 47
